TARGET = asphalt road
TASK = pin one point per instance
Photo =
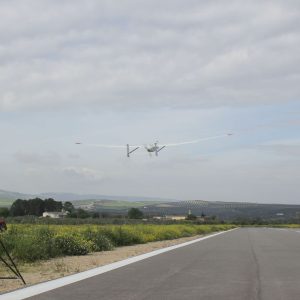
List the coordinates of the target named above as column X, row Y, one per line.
column 241, row 264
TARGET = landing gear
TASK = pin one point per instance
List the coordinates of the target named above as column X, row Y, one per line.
column 157, row 149
column 130, row 151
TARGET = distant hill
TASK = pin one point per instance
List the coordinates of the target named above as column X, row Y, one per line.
column 222, row 210
column 12, row 195
column 77, row 197
column 158, row 206
column 119, row 206
column 7, row 197
column 227, row 210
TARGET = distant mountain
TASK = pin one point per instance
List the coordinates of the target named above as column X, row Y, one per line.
column 77, row 197
column 222, row 210
column 8, row 195
column 227, row 210
column 157, row 206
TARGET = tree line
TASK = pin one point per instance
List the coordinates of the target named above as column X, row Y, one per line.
column 35, row 207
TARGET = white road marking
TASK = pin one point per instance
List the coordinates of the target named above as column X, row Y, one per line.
column 54, row 284
column 285, row 229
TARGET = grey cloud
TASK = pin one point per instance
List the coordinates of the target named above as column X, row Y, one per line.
column 50, row 158
column 149, row 55
column 83, row 173
column 282, row 149
column 73, row 156
column 237, row 175
column 242, row 175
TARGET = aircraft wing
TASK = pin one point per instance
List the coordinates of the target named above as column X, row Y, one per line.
column 198, row 140
column 166, row 145
column 107, row 146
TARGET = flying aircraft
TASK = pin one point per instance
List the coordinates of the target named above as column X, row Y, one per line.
column 154, row 147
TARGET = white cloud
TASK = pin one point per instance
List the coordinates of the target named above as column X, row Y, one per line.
column 285, row 148
column 50, row 158
column 63, row 54
column 83, row 173
column 117, row 72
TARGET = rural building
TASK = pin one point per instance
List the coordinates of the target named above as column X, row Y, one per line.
column 175, row 217
column 170, row 217
column 158, row 218
column 55, row 214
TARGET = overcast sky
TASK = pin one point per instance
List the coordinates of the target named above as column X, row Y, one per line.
column 118, row 72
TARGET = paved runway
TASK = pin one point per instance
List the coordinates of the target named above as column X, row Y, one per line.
column 247, row 263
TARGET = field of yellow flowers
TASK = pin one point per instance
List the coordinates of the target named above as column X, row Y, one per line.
column 29, row 243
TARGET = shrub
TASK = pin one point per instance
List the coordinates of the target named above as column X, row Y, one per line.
column 124, row 235
column 101, row 242
column 25, row 246
column 73, row 245
column 35, row 242
column 28, row 249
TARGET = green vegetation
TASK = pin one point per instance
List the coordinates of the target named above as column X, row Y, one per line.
column 34, row 207
column 114, row 204
column 6, row 202
column 239, row 213
column 135, row 213
column 29, row 243
column 4, row 212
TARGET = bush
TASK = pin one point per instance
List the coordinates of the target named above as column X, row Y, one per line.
column 39, row 244
column 168, row 233
column 73, row 245
column 124, row 235
column 29, row 249
column 35, row 242
column 101, row 242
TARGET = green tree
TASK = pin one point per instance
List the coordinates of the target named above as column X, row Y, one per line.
column 135, row 213
column 35, row 206
column 52, row 205
column 19, row 208
column 68, row 206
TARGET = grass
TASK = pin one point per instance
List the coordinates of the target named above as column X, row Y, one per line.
column 104, row 204
column 30, row 243
column 114, row 204
column 6, row 202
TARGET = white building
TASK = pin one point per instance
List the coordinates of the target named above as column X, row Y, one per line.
column 55, row 214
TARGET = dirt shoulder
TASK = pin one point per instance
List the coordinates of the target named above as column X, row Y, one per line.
column 63, row 266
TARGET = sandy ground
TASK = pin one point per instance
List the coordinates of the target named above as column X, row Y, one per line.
column 59, row 267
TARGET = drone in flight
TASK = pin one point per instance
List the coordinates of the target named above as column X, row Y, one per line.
column 154, row 147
